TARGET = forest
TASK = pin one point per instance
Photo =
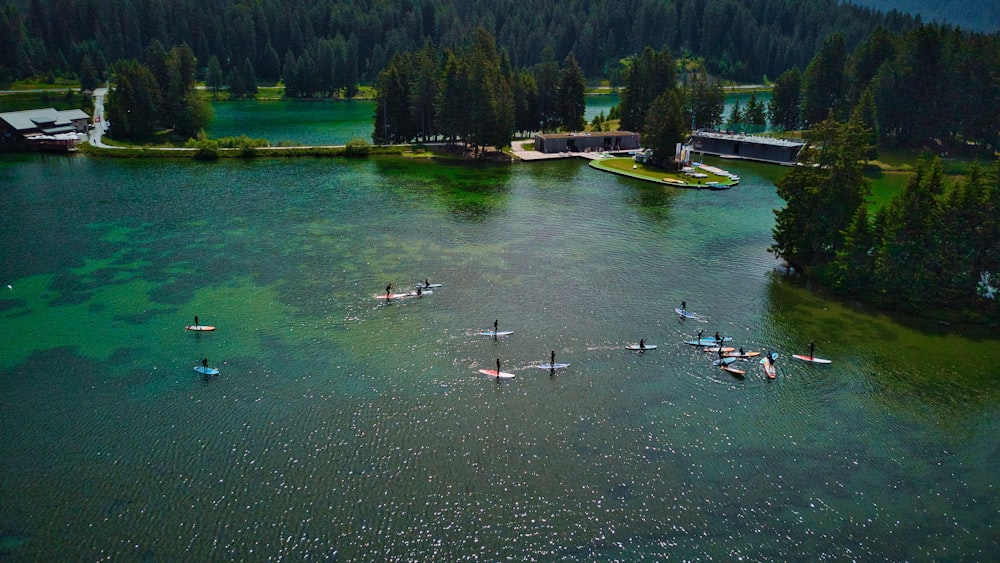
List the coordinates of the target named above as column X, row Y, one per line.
column 745, row 40
column 932, row 248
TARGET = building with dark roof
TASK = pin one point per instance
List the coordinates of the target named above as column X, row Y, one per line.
column 611, row 141
column 42, row 129
column 749, row 147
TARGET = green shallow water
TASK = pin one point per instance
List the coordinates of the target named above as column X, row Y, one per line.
column 345, row 428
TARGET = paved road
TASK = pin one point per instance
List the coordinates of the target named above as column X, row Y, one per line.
column 100, row 121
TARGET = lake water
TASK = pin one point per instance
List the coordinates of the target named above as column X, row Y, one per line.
column 346, row 428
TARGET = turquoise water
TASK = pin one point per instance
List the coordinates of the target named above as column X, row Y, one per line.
column 342, row 427
column 303, row 122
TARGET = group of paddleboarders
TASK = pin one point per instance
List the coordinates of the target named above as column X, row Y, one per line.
column 419, row 292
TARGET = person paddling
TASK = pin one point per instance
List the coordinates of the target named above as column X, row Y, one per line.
column 204, row 362
column 812, row 347
column 642, row 343
column 498, row 370
column 388, row 291
column 684, row 306
column 196, row 325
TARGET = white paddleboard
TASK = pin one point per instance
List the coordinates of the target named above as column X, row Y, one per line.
column 636, row 347
column 493, row 373
column 556, row 365
column 501, row 333
column 685, row 314
column 812, row 359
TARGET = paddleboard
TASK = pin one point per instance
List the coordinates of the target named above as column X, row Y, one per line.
column 812, row 359
column 734, row 370
column 685, row 314
column 552, row 366
column 743, row 355
column 392, row 296
column 493, row 373
column 206, row 371
column 724, row 361
column 769, row 368
column 421, row 284
column 422, row 293
column 501, row 333
column 636, row 347
column 708, row 341
column 200, row 328
column 725, row 349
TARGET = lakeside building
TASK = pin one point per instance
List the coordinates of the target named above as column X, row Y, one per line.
column 42, row 129
column 611, row 141
column 748, row 147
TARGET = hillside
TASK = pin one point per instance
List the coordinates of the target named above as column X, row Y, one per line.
column 973, row 15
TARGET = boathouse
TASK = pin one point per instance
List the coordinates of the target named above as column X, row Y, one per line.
column 748, row 147
column 42, row 129
column 611, row 141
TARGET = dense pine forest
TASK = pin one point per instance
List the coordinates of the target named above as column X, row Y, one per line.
column 738, row 39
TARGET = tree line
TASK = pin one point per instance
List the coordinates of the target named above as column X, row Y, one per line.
column 323, row 46
column 930, row 87
column 933, row 247
column 475, row 95
column 158, row 93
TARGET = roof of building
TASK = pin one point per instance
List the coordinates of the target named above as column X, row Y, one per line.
column 587, row 134
column 748, row 139
column 48, row 120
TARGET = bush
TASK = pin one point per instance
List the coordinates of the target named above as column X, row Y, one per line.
column 357, row 147
column 207, row 148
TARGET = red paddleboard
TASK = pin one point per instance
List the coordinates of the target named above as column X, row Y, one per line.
column 200, row 328
column 769, row 368
column 493, row 373
column 734, row 370
column 812, row 359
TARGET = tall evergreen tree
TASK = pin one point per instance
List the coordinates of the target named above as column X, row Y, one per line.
column 821, row 197
column 213, row 76
column 572, row 87
column 824, row 85
column 134, row 103
column 783, row 110
column 705, row 102
column 664, row 125
column 647, row 76
column 547, row 87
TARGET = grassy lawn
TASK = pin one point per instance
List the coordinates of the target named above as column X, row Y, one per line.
column 642, row 171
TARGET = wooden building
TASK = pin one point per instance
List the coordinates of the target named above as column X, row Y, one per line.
column 749, row 147
column 611, row 141
column 42, row 129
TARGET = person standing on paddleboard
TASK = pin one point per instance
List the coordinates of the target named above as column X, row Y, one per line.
column 642, row 343
column 388, row 290
column 498, row 370
column 684, row 306
column 196, row 325
column 812, row 347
